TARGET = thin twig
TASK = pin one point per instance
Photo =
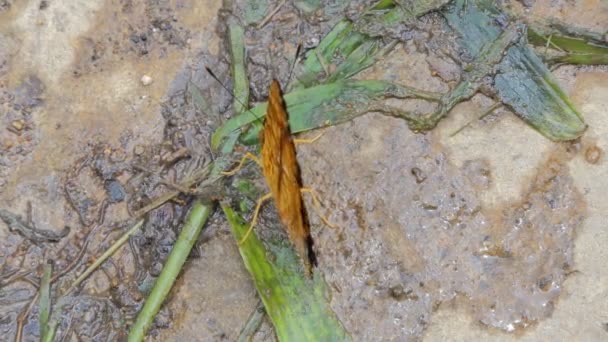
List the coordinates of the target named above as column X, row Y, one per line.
column 271, row 14
column 253, row 323
column 162, row 199
column 157, row 202
column 23, row 317
column 489, row 111
column 106, row 255
column 322, row 62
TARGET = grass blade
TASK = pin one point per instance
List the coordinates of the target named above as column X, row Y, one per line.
column 239, row 74
column 45, row 300
column 343, row 46
column 326, row 104
column 297, row 306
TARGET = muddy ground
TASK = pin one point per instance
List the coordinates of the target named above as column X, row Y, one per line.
column 494, row 232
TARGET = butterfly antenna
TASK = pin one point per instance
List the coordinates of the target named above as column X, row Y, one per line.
column 295, row 61
column 230, row 92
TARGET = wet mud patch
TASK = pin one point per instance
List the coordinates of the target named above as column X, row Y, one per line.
column 413, row 232
column 104, row 191
column 101, row 164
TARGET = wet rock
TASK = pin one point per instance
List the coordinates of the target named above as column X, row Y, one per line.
column 17, row 126
column 116, row 192
column 146, row 80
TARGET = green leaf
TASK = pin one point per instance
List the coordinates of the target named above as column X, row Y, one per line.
column 323, row 105
column 297, row 306
column 575, row 50
column 523, row 82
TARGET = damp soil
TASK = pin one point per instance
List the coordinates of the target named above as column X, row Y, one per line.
column 413, row 233
column 85, row 145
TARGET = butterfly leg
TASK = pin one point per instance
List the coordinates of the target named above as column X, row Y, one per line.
column 255, row 216
column 307, row 141
column 240, row 166
column 317, row 205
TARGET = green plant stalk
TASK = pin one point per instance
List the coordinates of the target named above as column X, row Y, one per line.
column 239, row 74
column 49, row 335
column 297, row 306
column 197, row 217
column 45, row 299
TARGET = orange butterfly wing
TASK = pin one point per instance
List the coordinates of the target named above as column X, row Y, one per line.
column 280, row 168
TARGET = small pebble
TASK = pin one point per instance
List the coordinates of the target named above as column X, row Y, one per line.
column 116, row 192
column 18, row 124
column 418, row 174
column 89, row 316
column 593, row 154
column 146, row 80
column 138, row 150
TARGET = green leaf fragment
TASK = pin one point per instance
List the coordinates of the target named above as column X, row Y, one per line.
column 575, row 50
column 326, row 104
column 255, row 11
column 523, row 82
column 297, row 306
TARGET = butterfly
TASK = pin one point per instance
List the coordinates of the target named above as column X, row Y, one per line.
column 282, row 173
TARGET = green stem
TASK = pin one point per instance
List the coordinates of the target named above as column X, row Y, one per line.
column 45, row 299
column 239, row 74
column 196, row 219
